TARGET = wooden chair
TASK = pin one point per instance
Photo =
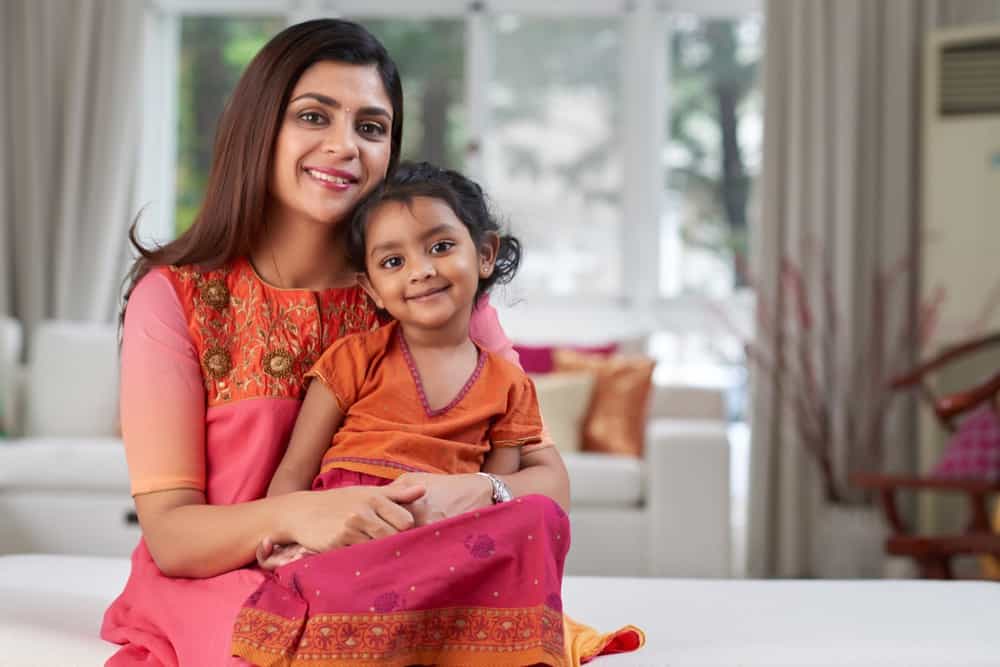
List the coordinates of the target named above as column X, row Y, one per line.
column 933, row 554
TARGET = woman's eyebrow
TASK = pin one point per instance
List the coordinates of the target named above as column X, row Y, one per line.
column 334, row 104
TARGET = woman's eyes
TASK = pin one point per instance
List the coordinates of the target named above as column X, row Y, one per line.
column 442, row 246
column 366, row 128
column 393, row 262
column 312, row 117
column 371, row 128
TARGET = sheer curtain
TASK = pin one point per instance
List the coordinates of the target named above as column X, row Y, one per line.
column 839, row 198
column 69, row 128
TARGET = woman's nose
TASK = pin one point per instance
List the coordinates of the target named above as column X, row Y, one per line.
column 340, row 141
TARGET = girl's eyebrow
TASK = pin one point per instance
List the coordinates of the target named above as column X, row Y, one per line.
column 326, row 100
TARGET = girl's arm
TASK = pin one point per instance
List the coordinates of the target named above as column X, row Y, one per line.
column 163, row 426
column 541, row 468
column 318, row 420
column 502, row 460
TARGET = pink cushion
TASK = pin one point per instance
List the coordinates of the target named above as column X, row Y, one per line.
column 538, row 358
column 973, row 451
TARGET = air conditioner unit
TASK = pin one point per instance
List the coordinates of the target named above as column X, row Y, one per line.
column 961, row 175
column 961, row 215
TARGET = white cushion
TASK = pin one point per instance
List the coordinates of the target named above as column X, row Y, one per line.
column 72, row 383
column 63, row 464
column 563, row 399
column 604, row 480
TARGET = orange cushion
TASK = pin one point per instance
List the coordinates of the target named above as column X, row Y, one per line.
column 615, row 422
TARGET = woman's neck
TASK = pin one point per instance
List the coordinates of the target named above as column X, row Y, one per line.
column 301, row 255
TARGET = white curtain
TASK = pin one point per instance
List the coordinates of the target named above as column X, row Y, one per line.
column 69, row 129
column 839, row 198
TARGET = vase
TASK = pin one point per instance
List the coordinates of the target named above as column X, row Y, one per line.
column 848, row 542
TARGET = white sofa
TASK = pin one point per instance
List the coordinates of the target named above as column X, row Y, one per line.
column 64, row 484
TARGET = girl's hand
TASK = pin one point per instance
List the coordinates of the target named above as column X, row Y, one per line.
column 271, row 556
column 324, row 520
column 445, row 496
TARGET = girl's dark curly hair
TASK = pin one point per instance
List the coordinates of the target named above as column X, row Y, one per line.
column 466, row 199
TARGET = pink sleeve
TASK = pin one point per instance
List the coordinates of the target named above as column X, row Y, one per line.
column 485, row 329
column 162, row 393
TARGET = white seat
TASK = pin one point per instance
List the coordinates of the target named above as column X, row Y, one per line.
column 51, row 609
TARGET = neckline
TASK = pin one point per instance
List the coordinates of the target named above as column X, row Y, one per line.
column 418, row 381
column 253, row 271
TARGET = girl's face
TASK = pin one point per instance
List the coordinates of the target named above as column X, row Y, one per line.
column 422, row 264
column 334, row 143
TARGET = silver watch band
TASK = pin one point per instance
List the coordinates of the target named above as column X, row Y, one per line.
column 501, row 492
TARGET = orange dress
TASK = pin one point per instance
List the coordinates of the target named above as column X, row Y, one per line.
column 388, row 426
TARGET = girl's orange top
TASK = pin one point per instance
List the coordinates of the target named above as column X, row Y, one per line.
column 388, row 426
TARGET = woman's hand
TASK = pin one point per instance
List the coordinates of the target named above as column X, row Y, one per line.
column 324, row 520
column 271, row 556
column 445, row 495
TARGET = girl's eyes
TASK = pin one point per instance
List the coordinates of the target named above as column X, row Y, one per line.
column 393, row 262
column 442, row 246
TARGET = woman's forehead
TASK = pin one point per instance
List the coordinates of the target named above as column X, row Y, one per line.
column 349, row 85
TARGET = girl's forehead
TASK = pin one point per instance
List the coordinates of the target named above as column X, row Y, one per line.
column 415, row 216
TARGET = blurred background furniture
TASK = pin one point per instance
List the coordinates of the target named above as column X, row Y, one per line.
column 64, row 483
column 934, row 554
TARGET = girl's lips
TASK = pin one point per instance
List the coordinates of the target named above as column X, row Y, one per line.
column 427, row 295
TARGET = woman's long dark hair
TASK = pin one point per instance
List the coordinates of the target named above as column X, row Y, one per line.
column 230, row 221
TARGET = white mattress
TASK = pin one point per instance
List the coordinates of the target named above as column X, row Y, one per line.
column 51, row 606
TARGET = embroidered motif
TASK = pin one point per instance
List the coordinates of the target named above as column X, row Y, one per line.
column 396, row 637
column 278, row 363
column 262, row 340
column 216, row 362
column 215, row 294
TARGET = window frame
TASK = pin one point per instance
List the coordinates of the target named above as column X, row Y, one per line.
column 643, row 64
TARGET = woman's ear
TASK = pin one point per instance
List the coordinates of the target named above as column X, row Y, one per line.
column 369, row 289
column 488, row 249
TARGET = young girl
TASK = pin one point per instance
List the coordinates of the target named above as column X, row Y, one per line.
column 417, row 394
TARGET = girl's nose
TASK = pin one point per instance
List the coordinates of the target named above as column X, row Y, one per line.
column 422, row 271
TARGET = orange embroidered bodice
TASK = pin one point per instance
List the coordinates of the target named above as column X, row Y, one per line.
column 255, row 340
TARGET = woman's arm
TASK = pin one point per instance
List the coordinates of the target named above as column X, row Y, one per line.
column 188, row 538
column 318, row 420
column 163, row 427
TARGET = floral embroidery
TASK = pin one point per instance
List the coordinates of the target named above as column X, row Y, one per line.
column 216, row 362
column 278, row 364
column 402, row 637
column 262, row 340
column 215, row 293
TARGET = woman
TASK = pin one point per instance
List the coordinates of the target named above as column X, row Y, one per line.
column 222, row 324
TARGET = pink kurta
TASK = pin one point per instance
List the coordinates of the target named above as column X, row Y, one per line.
column 211, row 384
column 193, row 349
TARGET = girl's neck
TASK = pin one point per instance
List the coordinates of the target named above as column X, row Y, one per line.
column 453, row 338
column 303, row 255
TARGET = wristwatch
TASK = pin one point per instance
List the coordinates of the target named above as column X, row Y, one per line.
column 501, row 492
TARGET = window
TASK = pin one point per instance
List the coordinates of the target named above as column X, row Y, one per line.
column 712, row 153
column 554, row 150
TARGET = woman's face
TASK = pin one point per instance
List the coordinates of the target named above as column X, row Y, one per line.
column 334, row 143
